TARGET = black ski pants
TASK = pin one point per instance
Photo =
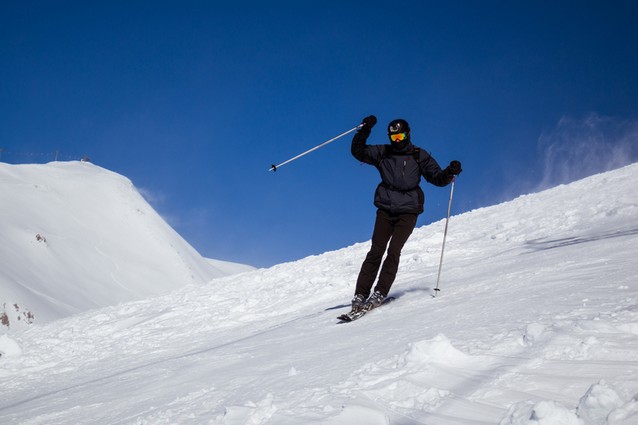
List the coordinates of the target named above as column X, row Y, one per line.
column 395, row 229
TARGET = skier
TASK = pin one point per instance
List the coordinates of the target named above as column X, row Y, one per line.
column 399, row 200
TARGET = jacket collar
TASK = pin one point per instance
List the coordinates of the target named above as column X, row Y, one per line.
column 402, row 148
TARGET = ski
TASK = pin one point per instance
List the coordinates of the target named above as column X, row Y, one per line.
column 351, row 316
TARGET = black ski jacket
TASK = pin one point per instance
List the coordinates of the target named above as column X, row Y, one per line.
column 401, row 170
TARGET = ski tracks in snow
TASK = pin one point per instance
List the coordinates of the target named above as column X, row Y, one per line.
column 433, row 382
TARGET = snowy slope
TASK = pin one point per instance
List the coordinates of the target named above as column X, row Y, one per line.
column 74, row 236
column 536, row 324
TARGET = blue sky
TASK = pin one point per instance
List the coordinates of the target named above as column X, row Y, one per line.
column 194, row 100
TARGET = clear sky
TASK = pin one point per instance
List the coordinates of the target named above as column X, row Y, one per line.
column 194, row 100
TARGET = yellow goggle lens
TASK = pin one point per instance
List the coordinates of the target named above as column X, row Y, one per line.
column 399, row 137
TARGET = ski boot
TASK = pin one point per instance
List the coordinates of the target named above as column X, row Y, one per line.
column 374, row 301
column 358, row 302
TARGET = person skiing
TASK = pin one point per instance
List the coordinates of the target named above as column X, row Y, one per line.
column 399, row 200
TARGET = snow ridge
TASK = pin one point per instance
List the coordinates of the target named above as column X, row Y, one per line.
column 75, row 237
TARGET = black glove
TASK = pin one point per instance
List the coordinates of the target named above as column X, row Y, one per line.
column 369, row 122
column 454, row 168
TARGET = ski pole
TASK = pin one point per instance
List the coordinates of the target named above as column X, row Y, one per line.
column 447, row 220
column 274, row 167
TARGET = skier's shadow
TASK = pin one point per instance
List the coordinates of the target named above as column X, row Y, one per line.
column 337, row 307
column 394, row 294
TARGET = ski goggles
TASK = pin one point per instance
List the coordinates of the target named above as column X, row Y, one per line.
column 398, row 137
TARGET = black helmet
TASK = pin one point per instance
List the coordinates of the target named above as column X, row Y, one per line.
column 398, row 126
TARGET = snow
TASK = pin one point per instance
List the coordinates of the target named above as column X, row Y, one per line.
column 536, row 324
column 75, row 237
